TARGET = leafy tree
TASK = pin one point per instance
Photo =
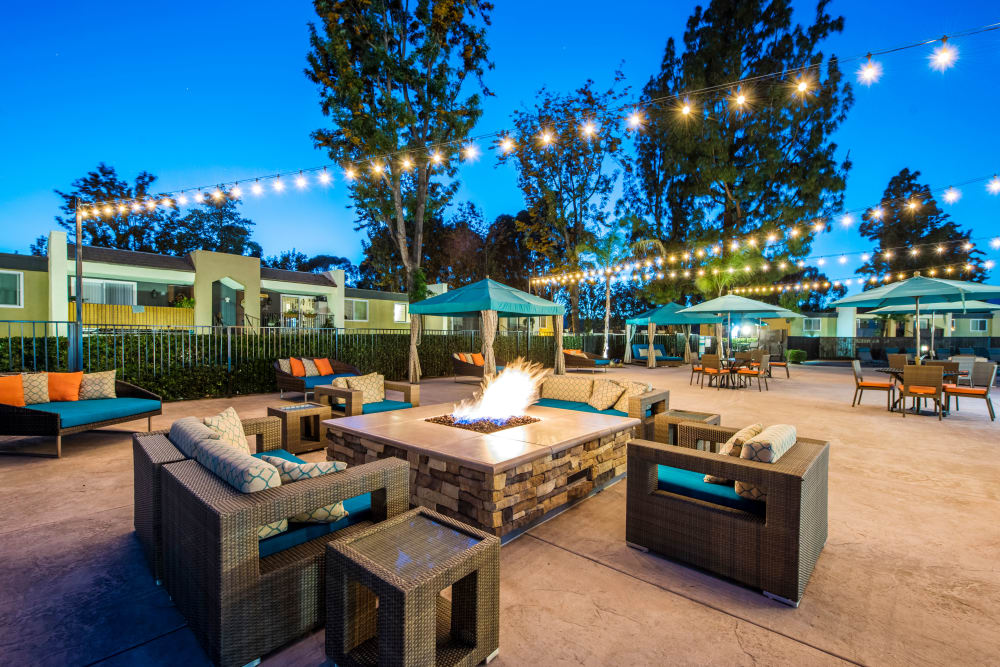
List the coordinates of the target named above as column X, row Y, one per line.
column 566, row 148
column 215, row 225
column 607, row 250
column 116, row 227
column 727, row 168
column 508, row 257
column 392, row 79
column 290, row 260
column 908, row 217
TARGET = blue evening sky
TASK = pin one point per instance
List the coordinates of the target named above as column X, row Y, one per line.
column 203, row 93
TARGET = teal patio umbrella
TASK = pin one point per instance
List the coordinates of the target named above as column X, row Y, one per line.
column 909, row 292
column 733, row 303
column 667, row 315
column 492, row 300
column 937, row 307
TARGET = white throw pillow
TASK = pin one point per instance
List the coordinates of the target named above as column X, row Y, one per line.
column 291, row 471
column 733, row 447
column 187, row 432
column 229, row 429
column 240, row 470
column 767, row 447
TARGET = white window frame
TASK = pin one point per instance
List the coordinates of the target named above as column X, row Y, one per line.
column 20, row 289
column 406, row 312
column 354, row 319
column 817, row 320
column 979, row 319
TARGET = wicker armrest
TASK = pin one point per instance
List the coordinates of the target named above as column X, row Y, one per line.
column 654, row 401
column 267, row 430
column 689, row 434
column 157, row 448
column 354, row 399
column 15, row 420
column 411, row 392
column 128, row 390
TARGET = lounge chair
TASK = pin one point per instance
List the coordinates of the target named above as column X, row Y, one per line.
column 578, row 359
column 942, row 353
column 865, row 356
column 640, row 352
column 967, row 351
column 462, row 368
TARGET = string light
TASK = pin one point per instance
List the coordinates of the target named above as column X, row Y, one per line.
column 877, row 212
column 635, row 120
column 407, row 164
column 300, row 181
column 181, row 201
column 235, row 192
column 944, row 56
column 506, row 144
column 993, row 187
column 588, row 129
column 546, row 137
column 686, row 109
column 198, row 197
column 324, row 177
column 952, row 195
column 436, row 158
column 913, row 205
column 376, row 168
column 847, row 220
column 740, row 98
column 470, row 152
column 870, row 72
column 217, row 194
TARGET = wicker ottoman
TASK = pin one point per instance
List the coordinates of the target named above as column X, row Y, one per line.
column 403, row 564
column 665, row 424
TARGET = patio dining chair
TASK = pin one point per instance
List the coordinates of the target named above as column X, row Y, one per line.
column 711, row 367
column 696, row 368
column 984, row 374
column 923, row 383
column 759, row 371
column 860, row 384
column 965, row 366
column 897, row 360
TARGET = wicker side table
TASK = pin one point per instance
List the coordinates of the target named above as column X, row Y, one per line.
column 665, row 425
column 403, row 564
column 301, row 428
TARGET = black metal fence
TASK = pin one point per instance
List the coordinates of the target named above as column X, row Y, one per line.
column 833, row 347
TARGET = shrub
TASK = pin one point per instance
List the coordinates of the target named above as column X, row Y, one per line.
column 796, row 356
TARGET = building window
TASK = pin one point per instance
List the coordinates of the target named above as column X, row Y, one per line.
column 298, row 311
column 978, row 326
column 400, row 312
column 811, row 324
column 117, row 292
column 355, row 310
column 11, row 289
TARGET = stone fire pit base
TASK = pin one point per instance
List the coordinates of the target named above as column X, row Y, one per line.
column 502, row 496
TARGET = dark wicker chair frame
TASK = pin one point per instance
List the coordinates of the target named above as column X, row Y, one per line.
column 152, row 451
column 578, row 362
column 294, row 383
column 241, row 606
column 460, row 368
column 775, row 553
column 28, row 421
column 354, row 398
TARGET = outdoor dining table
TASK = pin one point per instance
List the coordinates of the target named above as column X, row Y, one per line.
column 898, row 374
column 731, row 368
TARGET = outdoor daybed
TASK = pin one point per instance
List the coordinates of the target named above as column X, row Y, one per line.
column 125, row 403
column 578, row 359
column 469, row 364
column 296, row 375
column 640, row 355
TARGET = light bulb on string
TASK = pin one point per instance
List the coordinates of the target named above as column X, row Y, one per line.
column 545, row 137
column 122, row 208
column 256, row 188
column 588, row 129
column 952, row 195
column 506, row 144
column 740, row 99
column 870, row 72
column 278, row 184
column 350, row 174
column 235, row 192
column 324, row 177
column 406, row 163
column 913, row 205
column 877, row 213
column 993, row 187
column 686, row 108
column 470, row 152
column 300, row 181
column 181, row 200
column 944, row 56
column 377, row 168
column 150, row 204
column 136, row 208
column 217, row 194
column 436, row 158
column 995, row 243
column 847, row 220
column 635, row 120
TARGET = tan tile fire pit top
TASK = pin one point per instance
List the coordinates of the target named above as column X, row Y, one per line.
column 493, row 453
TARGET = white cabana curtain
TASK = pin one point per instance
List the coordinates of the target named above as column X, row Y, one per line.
column 687, row 343
column 629, row 333
column 557, row 325
column 488, row 320
column 651, row 355
column 416, row 329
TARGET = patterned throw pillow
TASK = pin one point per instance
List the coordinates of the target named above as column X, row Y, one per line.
column 643, row 352
column 229, row 429
column 285, row 365
column 310, row 366
column 733, row 447
column 372, row 386
column 605, row 394
column 98, row 385
column 293, row 472
column 272, row 529
column 36, row 388
column 631, row 389
column 565, row 388
column 187, row 433
column 767, row 447
column 241, row 471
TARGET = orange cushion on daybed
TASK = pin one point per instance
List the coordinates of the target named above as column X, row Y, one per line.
column 64, row 386
column 298, row 368
column 477, row 359
column 323, row 366
column 12, row 390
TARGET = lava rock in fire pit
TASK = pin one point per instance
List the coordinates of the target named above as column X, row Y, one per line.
column 484, row 425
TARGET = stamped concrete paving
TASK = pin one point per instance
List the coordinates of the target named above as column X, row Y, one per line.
column 909, row 574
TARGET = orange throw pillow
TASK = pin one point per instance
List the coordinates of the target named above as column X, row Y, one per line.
column 323, row 366
column 298, row 368
column 65, row 386
column 12, row 390
column 477, row 359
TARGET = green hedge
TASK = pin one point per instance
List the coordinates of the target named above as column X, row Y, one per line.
column 796, row 356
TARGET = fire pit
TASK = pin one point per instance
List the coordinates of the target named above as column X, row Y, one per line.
column 501, row 402
column 484, row 425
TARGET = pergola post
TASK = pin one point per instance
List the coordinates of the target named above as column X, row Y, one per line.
column 651, row 355
column 416, row 327
column 488, row 320
column 557, row 325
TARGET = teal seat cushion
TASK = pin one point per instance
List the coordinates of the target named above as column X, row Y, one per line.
column 659, row 358
column 323, row 379
column 79, row 413
column 358, row 509
column 279, row 453
column 661, row 352
column 379, row 406
column 601, row 362
column 693, row 485
column 580, row 407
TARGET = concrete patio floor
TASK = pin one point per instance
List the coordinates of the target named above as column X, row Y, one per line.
column 909, row 575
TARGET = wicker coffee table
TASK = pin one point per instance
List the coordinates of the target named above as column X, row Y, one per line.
column 403, row 564
column 301, row 430
column 665, row 424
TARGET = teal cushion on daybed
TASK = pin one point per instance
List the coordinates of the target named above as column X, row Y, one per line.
column 323, row 379
column 78, row 413
column 379, row 406
column 601, row 362
column 693, row 485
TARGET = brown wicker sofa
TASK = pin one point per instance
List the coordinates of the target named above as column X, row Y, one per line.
column 465, row 369
column 581, row 360
column 150, row 452
column 45, row 418
column 304, row 385
column 239, row 604
column 773, row 548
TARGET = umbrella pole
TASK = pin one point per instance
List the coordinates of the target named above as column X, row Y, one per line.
column 916, row 328
column 930, row 352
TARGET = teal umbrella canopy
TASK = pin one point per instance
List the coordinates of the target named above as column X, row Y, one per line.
column 487, row 295
column 733, row 303
column 668, row 315
column 932, row 290
column 970, row 306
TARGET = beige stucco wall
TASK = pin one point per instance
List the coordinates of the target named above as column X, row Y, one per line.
column 212, row 266
column 34, row 297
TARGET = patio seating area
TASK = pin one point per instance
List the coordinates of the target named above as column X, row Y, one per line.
column 907, row 574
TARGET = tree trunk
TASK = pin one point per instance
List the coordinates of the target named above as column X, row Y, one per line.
column 607, row 314
column 574, row 308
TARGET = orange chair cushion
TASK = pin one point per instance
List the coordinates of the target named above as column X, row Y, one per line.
column 696, row 368
column 920, row 389
column 966, row 391
column 710, row 370
column 298, row 368
column 746, row 371
column 12, row 390
column 323, row 366
column 477, row 359
column 875, row 385
column 779, row 363
column 65, row 386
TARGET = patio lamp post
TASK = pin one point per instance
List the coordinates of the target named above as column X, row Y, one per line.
column 78, row 334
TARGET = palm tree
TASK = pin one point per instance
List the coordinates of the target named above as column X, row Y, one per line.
column 604, row 251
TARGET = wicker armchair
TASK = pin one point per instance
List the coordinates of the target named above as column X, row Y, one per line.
column 239, row 605
column 354, row 404
column 775, row 553
column 152, row 451
column 922, row 383
column 297, row 384
column 28, row 421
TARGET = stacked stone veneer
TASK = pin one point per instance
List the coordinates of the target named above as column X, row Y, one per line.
column 503, row 501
